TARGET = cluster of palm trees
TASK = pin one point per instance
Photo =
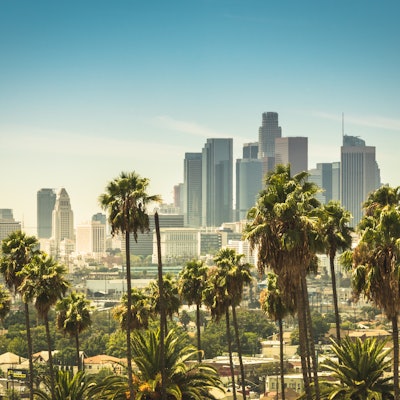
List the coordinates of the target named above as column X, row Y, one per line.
column 41, row 280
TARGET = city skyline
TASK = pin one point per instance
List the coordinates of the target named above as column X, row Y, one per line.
column 89, row 90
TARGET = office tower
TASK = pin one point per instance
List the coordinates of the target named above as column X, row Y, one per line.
column 100, row 217
column 192, row 171
column 7, row 223
column 91, row 237
column 293, row 151
column 144, row 245
column 46, row 200
column 267, row 133
column 63, row 219
column 179, row 197
column 217, row 182
column 336, row 181
column 249, row 172
column 322, row 176
column 359, row 174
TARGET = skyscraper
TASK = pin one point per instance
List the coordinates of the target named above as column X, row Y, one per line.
column 249, row 171
column 267, row 133
column 63, row 219
column 323, row 177
column 192, row 171
column 7, row 223
column 217, row 182
column 293, row 151
column 46, row 199
column 359, row 174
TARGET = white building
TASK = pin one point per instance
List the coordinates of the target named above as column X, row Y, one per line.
column 63, row 220
column 177, row 244
column 91, row 238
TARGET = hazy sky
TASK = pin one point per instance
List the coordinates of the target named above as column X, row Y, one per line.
column 89, row 88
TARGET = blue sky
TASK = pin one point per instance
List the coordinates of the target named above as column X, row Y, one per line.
column 91, row 88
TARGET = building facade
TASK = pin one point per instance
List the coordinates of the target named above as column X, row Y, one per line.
column 192, row 171
column 45, row 202
column 359, row 175
column 294, row 151
column 217, row 182
column 62, row 220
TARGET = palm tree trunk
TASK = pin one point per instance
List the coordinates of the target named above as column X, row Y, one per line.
column 228, row 337
column 335, row 297
column 198, row 331
column 237, row 335
column 303, row 341
column 281, row 360
column 78, row 356
column 129, row 316
column 163, row 317
column 395, row 336
column 51, row 367
column 30, row 351
column 311, row 339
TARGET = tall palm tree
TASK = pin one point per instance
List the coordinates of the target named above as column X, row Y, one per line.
column 192, row 281
column 141, row 311
column 126, row 200
column 358, row 370
column 185, row 380
column 282, row 226
column 5, row 302
column 237, row 276
column 44, row 283
column 216, row 298
column 273, row 304
column 336, row 236
column 376, row 260
column 17, row 251
column 73, row 316
column 172, row 301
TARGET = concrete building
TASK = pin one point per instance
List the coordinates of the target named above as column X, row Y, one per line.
column 91, row 238
column 217, row 182
column 294, row 151
column 359, row 175
column 62, row 221
column 45, row 202
column 249, row 173
column 267, row 133
column 8, row 223
column 192, row 186
column 177, row 245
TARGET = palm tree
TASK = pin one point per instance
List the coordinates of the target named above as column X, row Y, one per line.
column 282, row 226
column 17, row 251
column 171, row 297
column 185, row 380
column 191, row 282
column 68, row 386
column 358, row 371
column 73, row 316
column 141, row 311
column 216, row 298
column 126, row 200
column 273, row 304
column 376, row 260
column 336, row 235
column 44, row 283
column 5, row 302
column 237, row 275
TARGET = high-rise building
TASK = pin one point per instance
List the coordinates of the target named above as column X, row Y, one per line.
column 91, row 238
column 46, row 200
column 267, row 133
column 293, row 151
column 7, row 223
column 217, row 182
column 192, row 171
column 322, row 176
column 63, row 219
column 249, row 170
column 359, row 175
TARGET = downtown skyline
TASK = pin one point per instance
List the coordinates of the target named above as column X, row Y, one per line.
column 90, row 90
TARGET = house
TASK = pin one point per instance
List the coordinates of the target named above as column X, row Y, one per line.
column 93, row 365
